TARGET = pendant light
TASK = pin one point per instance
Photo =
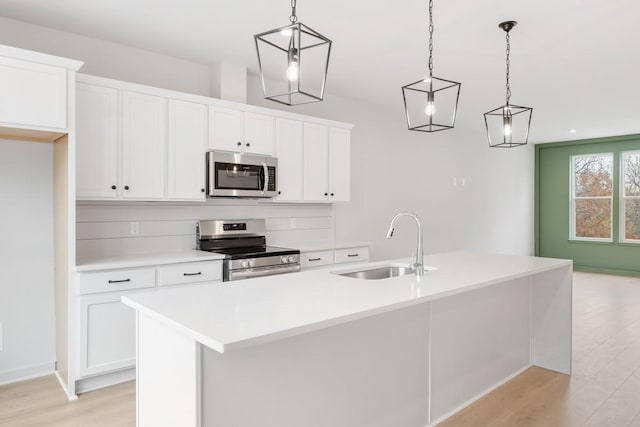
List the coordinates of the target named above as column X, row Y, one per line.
column 431, row 103
column 293, row 62
column 508, row 126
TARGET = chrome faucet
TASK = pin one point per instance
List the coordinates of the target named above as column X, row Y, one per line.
column 418, row 261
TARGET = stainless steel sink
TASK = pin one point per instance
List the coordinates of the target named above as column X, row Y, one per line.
column 378, row 273
column 385, row 271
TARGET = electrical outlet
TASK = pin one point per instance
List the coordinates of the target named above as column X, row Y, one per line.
column 1, row 338
column 135, row 228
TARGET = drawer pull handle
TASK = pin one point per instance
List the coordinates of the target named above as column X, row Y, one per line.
column 352, row 255
column 193, row 274
column 314, row 259
column 119, row 281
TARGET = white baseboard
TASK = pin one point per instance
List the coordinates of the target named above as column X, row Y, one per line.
column 100, row 381
column 64, row 387
column 22, row 374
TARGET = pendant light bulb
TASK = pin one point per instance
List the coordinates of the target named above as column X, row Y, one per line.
column 293, row 70
column 430, row 109
column 506, row 121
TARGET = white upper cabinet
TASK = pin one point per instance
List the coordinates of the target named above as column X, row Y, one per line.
column 327, row 164
column 33, row 94
column 97, row 142
column 259, row 134
column 225, row 129
column 141, row 143
column 237, row 131
column 289, row 150
column 143, row 146
column 187, row 147
column 339, row 165
column 316, row 162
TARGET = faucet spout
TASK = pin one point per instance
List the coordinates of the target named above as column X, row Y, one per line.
column 418, row 261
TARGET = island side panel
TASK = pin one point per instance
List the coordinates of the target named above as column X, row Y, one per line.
column 371, row 372
column 479, row 339
column 167, row 376
column 551, row 319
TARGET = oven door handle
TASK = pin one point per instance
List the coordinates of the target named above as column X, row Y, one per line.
column 265, row 179
column 247, row 273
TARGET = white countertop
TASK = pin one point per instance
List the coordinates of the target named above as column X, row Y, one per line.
column 144, row 260
column 224, row 316
column 323, row 245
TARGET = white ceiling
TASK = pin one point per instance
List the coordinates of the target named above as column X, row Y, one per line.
column 576, row 62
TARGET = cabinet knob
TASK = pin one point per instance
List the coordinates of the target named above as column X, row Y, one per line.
column 332, row 194
column 113, row 187
column 248, row 145
column 279, row 192
column 202, row 190
column 126, row 187
column 239, row 143
column 326, row 194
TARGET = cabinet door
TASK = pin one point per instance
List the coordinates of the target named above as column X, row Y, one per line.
column 187, row 147
column 33, row 94
column 259, row 134
column 143, row 146
column 225, row 129
column 316, row 162
column 289, row 150
column 339, row 165
column 107, row 334
column 97, row 142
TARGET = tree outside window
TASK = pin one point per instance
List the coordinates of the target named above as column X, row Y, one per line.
column 592, row 197
column 630, row 196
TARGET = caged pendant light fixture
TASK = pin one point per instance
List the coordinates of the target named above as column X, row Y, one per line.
column 508, row 126
column 293, row 62
column 431, row 103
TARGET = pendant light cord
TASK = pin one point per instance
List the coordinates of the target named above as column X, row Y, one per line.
column 293, row 18
column 508, row 65
column 430, row 38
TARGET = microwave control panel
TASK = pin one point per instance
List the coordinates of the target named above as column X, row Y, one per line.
column 272, row 178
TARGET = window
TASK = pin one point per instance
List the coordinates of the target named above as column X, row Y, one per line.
column 630, row 197
column 592, row 197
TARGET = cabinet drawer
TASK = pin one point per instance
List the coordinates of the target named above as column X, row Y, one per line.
column 116, row 280
column 316, row 259
column 352, row 255
column 190, row 272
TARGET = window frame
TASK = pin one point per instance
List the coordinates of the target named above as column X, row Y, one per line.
column 622, row 220
column 573, row 198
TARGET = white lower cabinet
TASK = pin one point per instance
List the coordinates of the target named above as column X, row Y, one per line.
column 351, row 255
column 309, row 260
column 189, row 272
column 107, row 341
column 107, row 334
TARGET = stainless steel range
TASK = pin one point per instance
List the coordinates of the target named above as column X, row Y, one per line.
column 245, row 248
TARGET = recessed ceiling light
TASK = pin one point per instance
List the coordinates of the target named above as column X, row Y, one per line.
column 572, row 131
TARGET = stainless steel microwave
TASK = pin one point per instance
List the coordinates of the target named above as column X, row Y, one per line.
column 239, row 175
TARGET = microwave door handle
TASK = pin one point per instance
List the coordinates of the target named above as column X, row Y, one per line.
column 265, row 171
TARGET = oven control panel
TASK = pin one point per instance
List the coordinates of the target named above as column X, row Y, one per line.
column 235, row 226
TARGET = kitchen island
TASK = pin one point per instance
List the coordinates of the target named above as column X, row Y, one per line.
column 319, row 349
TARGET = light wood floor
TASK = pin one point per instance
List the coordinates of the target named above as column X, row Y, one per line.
column 604, row 389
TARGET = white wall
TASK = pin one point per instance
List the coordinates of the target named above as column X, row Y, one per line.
column 110, row 60
column 26, row 259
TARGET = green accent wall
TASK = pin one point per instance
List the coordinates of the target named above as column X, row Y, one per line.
column 553, row 207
